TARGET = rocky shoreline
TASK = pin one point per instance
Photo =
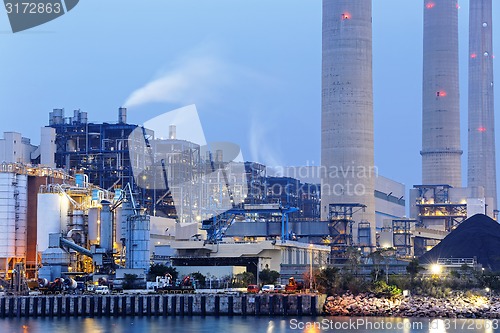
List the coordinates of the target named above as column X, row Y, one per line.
column 458, row 305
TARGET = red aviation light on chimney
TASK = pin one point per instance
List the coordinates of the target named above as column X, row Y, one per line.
column 440, row 93
column 473, row 56
column 430, row 5
column 482, row 129
column 346, row 16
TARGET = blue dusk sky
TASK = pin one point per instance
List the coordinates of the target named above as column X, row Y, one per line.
column 253, row 69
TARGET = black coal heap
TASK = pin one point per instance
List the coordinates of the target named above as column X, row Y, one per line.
column 478, row 236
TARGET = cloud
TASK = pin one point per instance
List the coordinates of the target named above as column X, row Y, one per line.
column 193, row 80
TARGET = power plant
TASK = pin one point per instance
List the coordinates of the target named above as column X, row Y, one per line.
column 104, row 201
column 481, row 155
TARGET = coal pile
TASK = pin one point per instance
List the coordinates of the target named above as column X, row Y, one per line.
column 478, row 236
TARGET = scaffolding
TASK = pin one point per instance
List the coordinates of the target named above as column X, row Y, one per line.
column 434, row 207
column 340, row 227
column 402, row 233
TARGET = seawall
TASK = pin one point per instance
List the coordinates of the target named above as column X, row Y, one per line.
column 161, row 305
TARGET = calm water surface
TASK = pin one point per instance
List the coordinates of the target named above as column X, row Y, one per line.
column 245, row 325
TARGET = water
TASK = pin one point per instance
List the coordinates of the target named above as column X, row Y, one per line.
column 246, row 325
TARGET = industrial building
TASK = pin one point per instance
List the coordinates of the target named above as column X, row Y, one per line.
column 347, row 149
column 481, row 170
column 98, row 150
column 14, row 148
column 290, row 258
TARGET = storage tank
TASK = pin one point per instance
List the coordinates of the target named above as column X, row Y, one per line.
column 78, row 227
column 51, row 217
column 106, row 229
column 122, row 214
column 80, row 180
column 21, row 218
column 7, row 215
column 93, row 225
column 137, row 243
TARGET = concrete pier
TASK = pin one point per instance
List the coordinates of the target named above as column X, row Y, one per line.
column 161, row 305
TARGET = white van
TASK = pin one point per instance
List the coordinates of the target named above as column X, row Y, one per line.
column 102, row 290
column 268, row 288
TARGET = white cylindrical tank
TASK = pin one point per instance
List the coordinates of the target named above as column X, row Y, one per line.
column 93, row 225
column 51, row 217
column 21, row 218
column 7, row 215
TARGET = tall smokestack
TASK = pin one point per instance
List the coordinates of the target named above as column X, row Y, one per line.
column 481, row 155
column 122, row 115
column 347, row 155
column 441, row 151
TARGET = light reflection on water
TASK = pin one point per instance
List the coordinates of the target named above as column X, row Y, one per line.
column 246, row 325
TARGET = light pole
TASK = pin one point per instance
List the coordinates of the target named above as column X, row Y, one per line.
column 311, row 268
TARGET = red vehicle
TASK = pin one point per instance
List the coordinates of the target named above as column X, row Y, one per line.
column 253, row 289
column 294, row 286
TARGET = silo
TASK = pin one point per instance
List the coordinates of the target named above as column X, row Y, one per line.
column 93, row 225
column 123, row 213
column 51, row 217
column 106, row 226
column 21, row 206
column 7, row 215
column 137, row 243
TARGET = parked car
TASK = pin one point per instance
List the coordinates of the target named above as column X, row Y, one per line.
column 253, row 288
column 102, row 290
column 279, row 288
column 268, row 288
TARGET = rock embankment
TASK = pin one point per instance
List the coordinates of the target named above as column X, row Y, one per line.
column 455, row 306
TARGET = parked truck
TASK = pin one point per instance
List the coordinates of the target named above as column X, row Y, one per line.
column 166, row 285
